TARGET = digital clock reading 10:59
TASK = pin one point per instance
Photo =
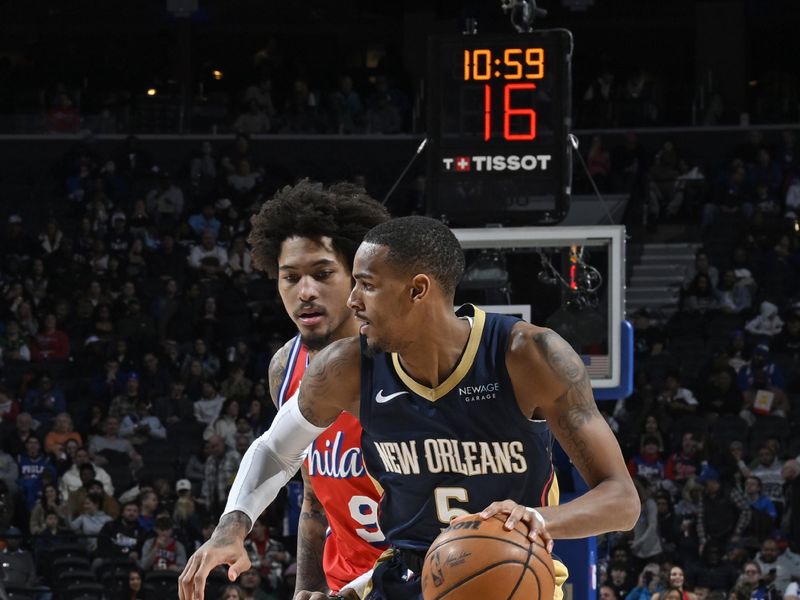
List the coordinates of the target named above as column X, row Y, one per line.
column 517, row 64
column 498, row 121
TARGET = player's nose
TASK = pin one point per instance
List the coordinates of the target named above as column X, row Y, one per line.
column 307, row 290
column 354, row 300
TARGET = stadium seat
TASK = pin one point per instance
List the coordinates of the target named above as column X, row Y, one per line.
column 165, row 583
column 84, row 591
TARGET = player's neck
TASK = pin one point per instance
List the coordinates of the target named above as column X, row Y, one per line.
column 437, row 350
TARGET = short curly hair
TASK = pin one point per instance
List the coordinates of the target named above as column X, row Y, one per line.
column 342, row 211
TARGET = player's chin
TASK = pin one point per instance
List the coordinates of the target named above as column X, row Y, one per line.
column 374, row 347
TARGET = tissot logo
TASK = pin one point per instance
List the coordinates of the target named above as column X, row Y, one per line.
column 476, row 393
column 512, row 162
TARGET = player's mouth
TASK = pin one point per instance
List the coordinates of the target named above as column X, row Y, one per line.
column 364, row 324
column 311, row 316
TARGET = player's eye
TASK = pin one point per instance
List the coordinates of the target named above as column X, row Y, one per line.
column 323, row 275
column 291, row 278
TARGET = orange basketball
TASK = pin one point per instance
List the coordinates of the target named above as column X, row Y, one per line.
column 479, row 559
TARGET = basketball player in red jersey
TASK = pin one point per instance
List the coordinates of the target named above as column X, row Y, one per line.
column 307, row 236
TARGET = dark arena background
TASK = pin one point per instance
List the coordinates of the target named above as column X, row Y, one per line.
column 626, row 172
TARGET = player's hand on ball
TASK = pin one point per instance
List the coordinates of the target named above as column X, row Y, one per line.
column 517, row 513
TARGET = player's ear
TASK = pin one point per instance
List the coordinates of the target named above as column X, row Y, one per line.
column 420, row 286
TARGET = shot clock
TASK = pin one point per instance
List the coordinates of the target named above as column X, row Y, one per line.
column 499, row 110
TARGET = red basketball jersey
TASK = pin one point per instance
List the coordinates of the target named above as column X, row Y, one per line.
column 348, row 495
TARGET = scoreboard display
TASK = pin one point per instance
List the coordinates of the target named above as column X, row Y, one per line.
column 499, row 114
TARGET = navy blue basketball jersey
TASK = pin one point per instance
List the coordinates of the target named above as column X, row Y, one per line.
column 454, row 449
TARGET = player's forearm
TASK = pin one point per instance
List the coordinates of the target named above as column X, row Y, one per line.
column 270, row 462
column 613, row 505
column 232, row 526
column 310, row 545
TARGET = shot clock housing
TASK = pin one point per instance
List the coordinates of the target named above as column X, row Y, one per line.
column 499, row 113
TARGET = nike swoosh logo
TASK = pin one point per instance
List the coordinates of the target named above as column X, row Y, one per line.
column 380, row 398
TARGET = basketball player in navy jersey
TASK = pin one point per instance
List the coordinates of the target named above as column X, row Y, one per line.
column 445, row 402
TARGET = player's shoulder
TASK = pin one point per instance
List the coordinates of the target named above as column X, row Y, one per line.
column 345, row 352
column 527, row 337
column 537, row 352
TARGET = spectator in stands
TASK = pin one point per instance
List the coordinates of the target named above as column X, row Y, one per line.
column 209, row 362
column 50, row 343
column 224, row 425
column 770, row 472
column 207, row 258
column 598, row 160
column 123, row 537
column 760, row 363
column 35, row 469
column 648, row 464
column 154, row 380
column 71, row 480
column 684, row 464
column 14, row 346
column 700, row 296
column 732, row 196
column 646, row 542
column 203, row 166
column 764, row 512
column 111, row 441
column 125, row 403
column 382, row 115
column 250, row 583
column 724, row 513
column 165, row 202
column 63, row 430
column 90, row 521
column 346, row 107
column 649, row 583
column 28, row 323
column 722, row 396
column 15, row 442
column 203, row 220
column 50, row 501
column 108, row 503
column 169, row 262
column 50, row 238
column 236, row 385
column 136, row 326
column 208, row 407
column 118, row 240
column 148, row 506
column 678, row 400
column 763, row 398
column 188, row 526
column 244, row 180
column 9, row 472
column 734, row 293
column 770, row 560
column 220, row 469
column 239, row 260
column 163, row 552
column 607, row 592
column 9, row 406
column 140, row 426
column 767, row 324
column 18, row 566
column 253, row 121
column 765, row 172
column 231, row 592
column 676, row 580
column 618, row 579
column 268, row 557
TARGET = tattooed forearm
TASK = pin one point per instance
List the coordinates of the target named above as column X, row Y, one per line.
column 231, row 526
column 576, row 406
column 311, row 542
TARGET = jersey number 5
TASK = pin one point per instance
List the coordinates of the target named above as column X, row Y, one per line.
column 364, row 511
column 443, row 496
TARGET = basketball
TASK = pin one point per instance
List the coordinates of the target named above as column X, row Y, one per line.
column 478, row 558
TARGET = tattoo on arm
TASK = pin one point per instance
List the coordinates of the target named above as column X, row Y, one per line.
column 576, row 406
column 311, row 542
column 325, row 373
column 277, row 369
column 230, row 527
